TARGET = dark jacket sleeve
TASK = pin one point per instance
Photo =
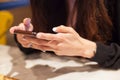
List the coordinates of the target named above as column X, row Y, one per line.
column 107, row 56
column 25, row 50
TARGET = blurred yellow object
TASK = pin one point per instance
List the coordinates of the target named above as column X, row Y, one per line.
column 6, row 20
column 2, row 77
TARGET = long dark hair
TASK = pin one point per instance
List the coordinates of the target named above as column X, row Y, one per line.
column 92, row 22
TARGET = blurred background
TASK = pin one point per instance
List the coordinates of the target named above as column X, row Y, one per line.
column 12, row 12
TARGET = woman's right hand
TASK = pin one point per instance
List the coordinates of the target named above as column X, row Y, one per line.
column 26, row 26
column 27, row 41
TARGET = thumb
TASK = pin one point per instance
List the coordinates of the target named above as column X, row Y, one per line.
column 28, row 25
column 63, row 29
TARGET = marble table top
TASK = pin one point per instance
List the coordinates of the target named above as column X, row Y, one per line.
column 46, row 66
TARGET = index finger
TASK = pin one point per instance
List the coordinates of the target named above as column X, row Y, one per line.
column 47, row 36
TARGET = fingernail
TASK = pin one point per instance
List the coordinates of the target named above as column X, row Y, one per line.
column 27, row 23
column 54, row 29
column 38, row 35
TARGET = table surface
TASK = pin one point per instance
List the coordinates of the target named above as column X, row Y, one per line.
column 46, row 66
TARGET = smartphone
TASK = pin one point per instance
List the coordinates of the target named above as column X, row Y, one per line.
column 27, row 33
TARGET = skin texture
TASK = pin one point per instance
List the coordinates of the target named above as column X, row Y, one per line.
column 66, row 41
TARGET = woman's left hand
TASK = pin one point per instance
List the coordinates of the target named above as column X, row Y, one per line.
column 67, row 42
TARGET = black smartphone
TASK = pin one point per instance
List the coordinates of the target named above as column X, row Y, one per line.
column 27, row 33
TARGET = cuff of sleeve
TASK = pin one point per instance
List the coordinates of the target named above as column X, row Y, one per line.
column 102, row 53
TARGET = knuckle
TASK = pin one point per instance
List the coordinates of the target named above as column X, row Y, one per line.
column 25, row 45
column 70, row 28
column 60, row 36
column 22, row 41
column 59, row 46
column 62, row 26
column 56, row 48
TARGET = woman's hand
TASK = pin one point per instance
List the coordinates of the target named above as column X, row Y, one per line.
column 26, row 26
column 27, row 41
column 67, row 42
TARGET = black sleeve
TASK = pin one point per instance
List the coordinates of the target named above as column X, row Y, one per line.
column 107, row 56
column 25, row 50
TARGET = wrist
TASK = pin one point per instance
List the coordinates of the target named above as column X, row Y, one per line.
column 91, row 50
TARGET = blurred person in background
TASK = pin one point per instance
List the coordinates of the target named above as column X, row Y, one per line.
column 85, row 28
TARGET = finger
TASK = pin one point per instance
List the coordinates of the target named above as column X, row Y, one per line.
column 39, row 44
column 46, row 48
column 21, row 39
column 51, row 44
column 36, row 40
column 27, row 22
column 63, row 29
column 39, row 47
column 47, row 36
column 26, row 45
column 12, row 29
column 28, row 25
column 19, row 27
